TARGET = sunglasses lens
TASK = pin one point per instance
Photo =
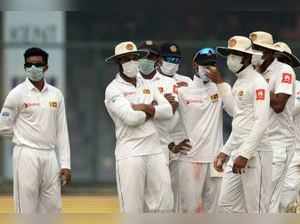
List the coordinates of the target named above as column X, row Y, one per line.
column 29, row 65
column 174, row 60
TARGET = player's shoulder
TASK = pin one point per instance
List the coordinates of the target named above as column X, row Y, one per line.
column 54, row 89
column 112, row 89
column 165, row 78
column 18, row 90
column 182, row 78
column 259, row 80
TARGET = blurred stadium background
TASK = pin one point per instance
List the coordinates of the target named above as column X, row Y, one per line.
column 78, row 43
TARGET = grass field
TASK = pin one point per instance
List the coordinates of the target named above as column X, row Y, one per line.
column 74, row 204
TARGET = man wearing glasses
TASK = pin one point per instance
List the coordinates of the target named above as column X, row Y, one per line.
column 34, row 116
column 134, row 105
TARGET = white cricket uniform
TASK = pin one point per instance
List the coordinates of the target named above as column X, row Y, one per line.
column 177, row 135
column 282, row 134
column 36, row 121
column 291, row 185
column 248, row 192
column 200, row 106
column 142, row 173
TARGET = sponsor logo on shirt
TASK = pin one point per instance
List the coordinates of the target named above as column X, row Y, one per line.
column 53, row 104
column 5, row 114
column 26, row 105
column 146, row 91
column 129, row 94
column 214, row 98
column 260, row 94
column 286, row 78
column 193, row 101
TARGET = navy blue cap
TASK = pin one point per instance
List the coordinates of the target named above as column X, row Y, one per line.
column 205, row 56
column 151, row 46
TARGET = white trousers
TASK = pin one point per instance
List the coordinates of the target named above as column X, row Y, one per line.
column 174, row 173
column 291, row 186
column 248, row 192
column 36, row 181
column 144, row 184
column 282, row 157
column 197, row 188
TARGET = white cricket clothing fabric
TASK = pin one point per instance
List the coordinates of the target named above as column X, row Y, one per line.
column 248, row 192
column 251, row 115
column 134, row 135
column 282, row 80
column 144, row 184
column 200, row 107
column 37, row 119
column 198, row 189
column 296, row 114
column 36, row 181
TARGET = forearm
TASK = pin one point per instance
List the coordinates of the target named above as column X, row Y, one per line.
column 224, row 90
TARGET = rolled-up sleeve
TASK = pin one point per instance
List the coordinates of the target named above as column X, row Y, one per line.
column 120, row 107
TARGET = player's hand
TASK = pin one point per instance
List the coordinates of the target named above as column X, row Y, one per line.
column 149, row 109
column 182, row 147
column 214, row 74
column 239, row 165
column 172, row 101
column 219, row 161
column 181, row 84
column 65, row 176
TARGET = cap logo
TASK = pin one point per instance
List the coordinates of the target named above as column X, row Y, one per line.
column 232, row 42
column 173, row 48
column 253, row 37
column 129, row 47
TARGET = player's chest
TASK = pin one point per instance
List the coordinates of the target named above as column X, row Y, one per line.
column 141, row 94
column 242, row 93
column 39, row 103
column 165, row 87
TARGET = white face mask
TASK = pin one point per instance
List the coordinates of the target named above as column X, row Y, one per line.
column 202, row 73
column 234, row 63
column 169, row 68
column 257, row 60
column 35, row 73
column 130, row 68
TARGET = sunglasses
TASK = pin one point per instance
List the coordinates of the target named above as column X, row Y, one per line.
column 29, row 65
column 174, row 60
column 207, row 51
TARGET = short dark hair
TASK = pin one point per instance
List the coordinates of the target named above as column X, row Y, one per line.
column 34, row 51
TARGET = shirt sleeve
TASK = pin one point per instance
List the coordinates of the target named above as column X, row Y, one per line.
column 63, row 144
column 285, row 82
column 232, row 143
column 9, row 113
column 228, row 101
column 261, row 98
column 163, row 109
column 119, row 106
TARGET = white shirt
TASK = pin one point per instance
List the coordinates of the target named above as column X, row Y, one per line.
column 134, row 135
column 297, row 115
column 37, row 119
column 165, row 85
column 250, row 116
column 282, row 80
column 200, row 107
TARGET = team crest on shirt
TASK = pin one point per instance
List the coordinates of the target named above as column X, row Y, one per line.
column 260, row 94
column 286, row 78
column 146, row 91
column 53, row 104
column 214, row 98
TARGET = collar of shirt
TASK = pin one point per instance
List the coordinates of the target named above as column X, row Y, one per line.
column 246, row 72
column 271, row 67
column 122, row 81
column 33, row 88
column 197, row 82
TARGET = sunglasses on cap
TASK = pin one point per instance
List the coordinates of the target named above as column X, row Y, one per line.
column 29, row 65
column 174, row 60
column 207, row 51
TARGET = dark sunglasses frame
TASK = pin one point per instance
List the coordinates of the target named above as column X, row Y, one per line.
column 174, row 60
column 29, row 65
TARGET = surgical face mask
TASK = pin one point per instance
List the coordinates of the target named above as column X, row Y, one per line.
column 234, row 63
column 130, row 68
column 202, row 73
column 146, row 66
column 35, row 73
column 168, row 68
column 257, row 60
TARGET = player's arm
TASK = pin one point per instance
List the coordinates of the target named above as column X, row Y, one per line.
column 119, row 106
column 163, row 109
column 261, row 115
column 9, row 113
column 224, row 89
column 283, row 90
column 63, row 144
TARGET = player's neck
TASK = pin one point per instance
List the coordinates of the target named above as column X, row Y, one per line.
column 38, row 84
column 127, row 79
column 150, row 76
